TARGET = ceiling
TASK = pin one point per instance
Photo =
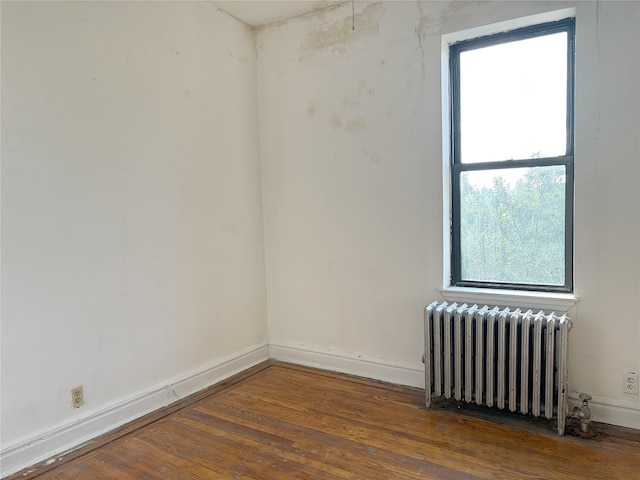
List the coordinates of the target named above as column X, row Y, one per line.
column 258, row 13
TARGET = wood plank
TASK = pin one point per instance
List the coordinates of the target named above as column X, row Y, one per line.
column 281, row 421
column 329, row 453
column 491, row 437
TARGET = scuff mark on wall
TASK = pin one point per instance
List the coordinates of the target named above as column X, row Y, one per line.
column 335, row 37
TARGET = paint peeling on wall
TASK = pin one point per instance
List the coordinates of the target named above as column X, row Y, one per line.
column 337, row 36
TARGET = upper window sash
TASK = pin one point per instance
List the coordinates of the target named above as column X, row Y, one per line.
column 566, row 26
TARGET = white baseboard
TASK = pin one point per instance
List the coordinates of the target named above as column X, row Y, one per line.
column 69, row 436
column 602, row 410
column 351, row 363
column 53, row 443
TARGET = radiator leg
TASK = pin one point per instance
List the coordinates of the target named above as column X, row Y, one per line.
column 561, row 423
column 428, row 352
column 427, row 383
column 563, row 373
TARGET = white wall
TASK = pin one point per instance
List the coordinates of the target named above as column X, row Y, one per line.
column 131, row 200
column 350, row 126
column 132, row 247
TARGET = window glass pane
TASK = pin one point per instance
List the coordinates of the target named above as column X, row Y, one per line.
column 513, row 102
column 512, row 225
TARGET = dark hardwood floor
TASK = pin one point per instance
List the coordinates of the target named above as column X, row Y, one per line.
column 280, row 421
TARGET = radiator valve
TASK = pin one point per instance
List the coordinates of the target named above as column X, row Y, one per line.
column 583, row 415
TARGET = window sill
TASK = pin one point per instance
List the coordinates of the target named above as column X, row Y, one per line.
column 549, row 302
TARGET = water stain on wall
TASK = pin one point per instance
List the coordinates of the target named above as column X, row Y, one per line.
column 336, row 36
column 355, row 126
column 432, row 21
column 350, row 102
column 362, row 88
column 439, row 15
column 348, row 107
column 374, row 157
column 311, row 111
column 241, row 59
column 421, row 32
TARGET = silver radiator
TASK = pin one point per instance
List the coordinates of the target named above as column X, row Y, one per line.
column 508, row 359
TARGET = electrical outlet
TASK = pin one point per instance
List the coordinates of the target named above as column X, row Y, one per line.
column 77, row 397
column 631, row 383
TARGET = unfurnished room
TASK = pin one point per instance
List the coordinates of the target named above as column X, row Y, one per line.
column 320, row 239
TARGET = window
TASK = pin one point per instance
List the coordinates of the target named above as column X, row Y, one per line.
column 512, row 159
